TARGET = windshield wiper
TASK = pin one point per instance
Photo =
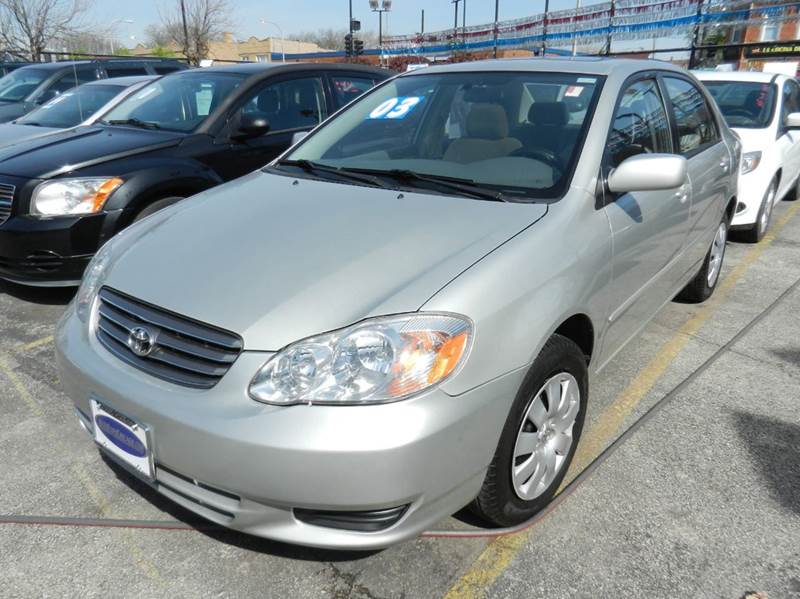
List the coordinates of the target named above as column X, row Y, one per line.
column 465, row 186
column 310, row 167
column 133, row 123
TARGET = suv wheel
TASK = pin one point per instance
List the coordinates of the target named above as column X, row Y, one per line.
column 539, row 437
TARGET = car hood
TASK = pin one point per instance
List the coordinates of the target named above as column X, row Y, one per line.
column 81, row 147
column 276, row 259
column 12, row 132
column 11, row 110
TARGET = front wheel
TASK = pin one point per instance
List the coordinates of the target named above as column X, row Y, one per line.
column 539, row 437
column 756, row 233
column 705, row 282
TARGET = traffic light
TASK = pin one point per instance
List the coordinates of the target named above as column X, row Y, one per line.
column 358, row 47
column 348, row 44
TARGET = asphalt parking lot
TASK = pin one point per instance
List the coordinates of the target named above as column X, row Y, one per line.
column 700, row 496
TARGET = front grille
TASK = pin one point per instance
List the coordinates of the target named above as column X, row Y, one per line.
column 181, row 351
column 6, row 201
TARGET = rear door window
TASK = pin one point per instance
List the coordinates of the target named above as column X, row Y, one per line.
column 347, row 88
column 291, row 104
column 693, row 118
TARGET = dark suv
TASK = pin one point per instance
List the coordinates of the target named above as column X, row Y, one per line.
column 30, row 86
column 63, row 195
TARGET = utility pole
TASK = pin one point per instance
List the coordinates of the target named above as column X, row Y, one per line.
column 422, row 24
column 544, row 27
column 496, row 19
column 185, row 30
column 350, row 22
column 464, row 21
column 575, row 29
column 696, row 35
column 610, row 27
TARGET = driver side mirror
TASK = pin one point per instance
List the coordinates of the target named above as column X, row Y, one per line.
column 251, row 125
column 792, row 120
column 648, row 172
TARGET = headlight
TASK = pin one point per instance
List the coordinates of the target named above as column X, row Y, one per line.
column 750, row 161
column 93, row 279
column 64, row 197
column 376, row 361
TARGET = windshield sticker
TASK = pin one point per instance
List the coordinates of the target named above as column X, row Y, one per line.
column 396, row 108
column 574, row 91
column 56, row 100
column 589, row 80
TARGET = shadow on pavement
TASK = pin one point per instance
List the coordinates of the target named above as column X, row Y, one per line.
column 226, row 535
column 789, row 355
column 775, row 448
column 51, row 296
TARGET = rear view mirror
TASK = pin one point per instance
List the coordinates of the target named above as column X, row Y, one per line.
column 251, row 125
column 299, row 136
column 648, row 172
column 792, row 120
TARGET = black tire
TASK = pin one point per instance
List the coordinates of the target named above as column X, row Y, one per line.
column 498, row 503
column 756, row 233
column 699, row 289
column 155, row 207
column 795, row 193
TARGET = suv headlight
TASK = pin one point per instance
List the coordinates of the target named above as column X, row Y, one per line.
column 64, row 197
column 750, row 161
column 93, row 278
column 375, row 361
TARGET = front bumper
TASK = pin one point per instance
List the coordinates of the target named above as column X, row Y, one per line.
column 50, row 252
column 248, row 466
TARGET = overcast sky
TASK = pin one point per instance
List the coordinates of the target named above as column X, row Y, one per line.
column 306, row 15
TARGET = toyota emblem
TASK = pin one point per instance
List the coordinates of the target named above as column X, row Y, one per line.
column 141, row 341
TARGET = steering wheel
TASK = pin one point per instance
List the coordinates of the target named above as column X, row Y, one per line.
column 549, row 157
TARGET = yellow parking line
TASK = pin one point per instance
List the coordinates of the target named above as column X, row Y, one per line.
column 21, row 349
column 497, row 556
column 100, row 500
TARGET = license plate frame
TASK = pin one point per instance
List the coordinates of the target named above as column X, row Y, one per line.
column 127, row 440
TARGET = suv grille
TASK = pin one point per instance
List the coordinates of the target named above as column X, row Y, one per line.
column 163, row 344
column 6, row 200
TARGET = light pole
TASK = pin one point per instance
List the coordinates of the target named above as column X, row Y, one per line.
column 496, row 19
column 111, row 29
column 544, row 28
column 385, row 6
column 280, row 32
column 575, row 29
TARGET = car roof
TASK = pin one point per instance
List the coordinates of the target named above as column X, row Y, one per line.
column 589, row 65
column 62, row 64
column 123, row 81
column 272, row 68
column 754, row 76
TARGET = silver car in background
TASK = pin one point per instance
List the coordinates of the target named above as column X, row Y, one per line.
column 79, row 106
column 400, row 316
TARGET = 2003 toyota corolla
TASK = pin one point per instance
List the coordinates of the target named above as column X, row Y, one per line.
column 399, row 316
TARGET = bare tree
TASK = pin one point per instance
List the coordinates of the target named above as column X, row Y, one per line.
column 27, row 27
column 333, row 39
column 194, row 24
column 159, row 36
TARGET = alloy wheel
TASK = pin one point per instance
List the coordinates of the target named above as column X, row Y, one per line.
column 717, row 253
column 545, row 437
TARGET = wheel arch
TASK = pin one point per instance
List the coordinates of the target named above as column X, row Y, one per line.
column 579, row 329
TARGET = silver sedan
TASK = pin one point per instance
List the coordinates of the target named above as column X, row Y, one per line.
column 400, row 316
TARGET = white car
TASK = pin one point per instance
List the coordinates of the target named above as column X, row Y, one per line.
column 79, row 106
column 764, row 110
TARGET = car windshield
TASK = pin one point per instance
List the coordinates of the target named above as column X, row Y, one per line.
column 518, row 133
column 178, row 102
column 71, row 107
column 745, row 104
column 19, row 84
